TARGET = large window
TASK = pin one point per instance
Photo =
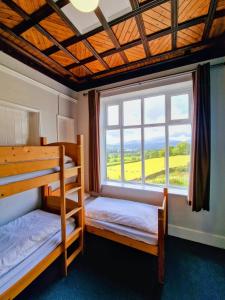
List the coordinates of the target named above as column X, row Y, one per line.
column 147, row 140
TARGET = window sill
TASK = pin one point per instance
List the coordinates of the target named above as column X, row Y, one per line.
column 150, row 188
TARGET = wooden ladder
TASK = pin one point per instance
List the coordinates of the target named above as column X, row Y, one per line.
column 78, row 212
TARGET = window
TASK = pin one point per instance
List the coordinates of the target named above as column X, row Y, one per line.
column 147, row 140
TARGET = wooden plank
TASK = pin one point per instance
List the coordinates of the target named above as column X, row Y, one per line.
column 27, row 167
column 27, row 153
column 24, row 185
column 22, row 283
column 152, row 249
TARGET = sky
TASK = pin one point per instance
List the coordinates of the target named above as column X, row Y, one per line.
column 154, row 112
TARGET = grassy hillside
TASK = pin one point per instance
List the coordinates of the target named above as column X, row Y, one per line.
column 154, row 170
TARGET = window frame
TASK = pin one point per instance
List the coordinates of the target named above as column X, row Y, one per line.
column 168, row 122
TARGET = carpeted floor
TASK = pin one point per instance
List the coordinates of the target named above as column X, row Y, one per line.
column 111, row 271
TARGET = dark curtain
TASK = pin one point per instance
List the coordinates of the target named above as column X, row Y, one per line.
column 199, row 193
column 94, row 142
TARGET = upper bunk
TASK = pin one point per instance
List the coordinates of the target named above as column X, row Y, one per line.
column 29, row 167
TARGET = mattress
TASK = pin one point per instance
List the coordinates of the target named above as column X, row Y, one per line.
column 30, row 175
column 127, row 231
column 140, row 216
column 25, row 241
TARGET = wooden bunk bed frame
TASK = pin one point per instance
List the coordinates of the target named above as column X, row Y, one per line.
column 25, row 159
column 157, row 250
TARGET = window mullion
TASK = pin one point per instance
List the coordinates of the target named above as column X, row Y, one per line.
column 168, row 114
column 121, row 141
column 142, row 142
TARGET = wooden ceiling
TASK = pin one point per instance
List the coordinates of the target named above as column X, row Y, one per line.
column 155, row 35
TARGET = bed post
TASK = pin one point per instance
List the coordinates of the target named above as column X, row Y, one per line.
column 165, row 192
column 80, row 161
column 44, row 189
column 161, row 242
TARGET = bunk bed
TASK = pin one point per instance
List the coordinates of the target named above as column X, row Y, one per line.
column 30, row 243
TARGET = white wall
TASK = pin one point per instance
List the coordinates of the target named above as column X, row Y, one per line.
column 205, row 227
column 21, row 85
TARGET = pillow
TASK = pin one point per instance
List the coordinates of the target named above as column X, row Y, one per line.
column 67, row 159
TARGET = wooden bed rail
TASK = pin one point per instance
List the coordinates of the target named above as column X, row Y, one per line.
column 20, row 160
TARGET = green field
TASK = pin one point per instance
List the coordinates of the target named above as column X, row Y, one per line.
column 154, row 170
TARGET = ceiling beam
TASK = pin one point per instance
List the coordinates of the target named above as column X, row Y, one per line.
column 110, row 33
column 57, row 9
column 187, row 48
column 24, row 15
column 174, row 63
column 141, row 27
column 174, row 22
column 25, row 57
column 153, row 36
column 209, row 20
column 32, row 47
column 142, row 8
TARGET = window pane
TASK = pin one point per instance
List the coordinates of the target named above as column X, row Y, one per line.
column 132, row 155
column 132, row 112
column 154, row 150
column 113, row 156
column 180, row 107
column 179, row 154
column 113, row 115
column 154, row 109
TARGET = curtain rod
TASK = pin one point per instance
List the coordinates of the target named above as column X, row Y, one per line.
column 152, row 80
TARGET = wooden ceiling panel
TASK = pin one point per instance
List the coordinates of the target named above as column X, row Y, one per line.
column 95, row 66
column 36, row 38
column 190, row 35
column 161, row 45
column 30, row 6
column 79, row 71
column 126, row 31
column 8, row 17
column 114, row 60
column 218, row 27
column 189, row 9
column 80, row 50
column 220, row 4
column 135, row 53
column 157, row 18
column 32, row 52
column 57, row 27
column 62, row 58
column 101, row 42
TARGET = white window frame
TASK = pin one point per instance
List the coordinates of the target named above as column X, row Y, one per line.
column 168, row 122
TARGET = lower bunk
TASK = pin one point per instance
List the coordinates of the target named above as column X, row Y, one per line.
column 135, row 224
column 28, row 245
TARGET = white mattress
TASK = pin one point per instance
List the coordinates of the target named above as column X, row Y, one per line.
column 124, row 230
column 140, row 216
column 25, row 241
column 30, row 175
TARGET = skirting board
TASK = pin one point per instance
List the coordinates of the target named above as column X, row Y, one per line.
column 197, row 236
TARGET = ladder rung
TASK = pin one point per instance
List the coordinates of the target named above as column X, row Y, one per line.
column 73, row 212
column 77, row 188
column 73, row 237
column 73, row 256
